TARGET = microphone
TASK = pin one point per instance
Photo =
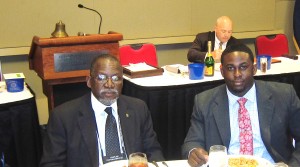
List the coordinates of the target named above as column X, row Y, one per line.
column 81, row 6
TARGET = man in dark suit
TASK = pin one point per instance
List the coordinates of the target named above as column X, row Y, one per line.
column 220, row 39
column 77, row 134
column 273, row 114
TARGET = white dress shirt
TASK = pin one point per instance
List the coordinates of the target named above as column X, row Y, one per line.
column 100, row 116
column 217, row 43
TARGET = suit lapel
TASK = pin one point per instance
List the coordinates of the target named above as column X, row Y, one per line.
column 87, row 124
column 126, row 120
column 265, row 107
column 213, row 36
column 220, row 111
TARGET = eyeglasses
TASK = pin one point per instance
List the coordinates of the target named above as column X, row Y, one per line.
column 104, row 78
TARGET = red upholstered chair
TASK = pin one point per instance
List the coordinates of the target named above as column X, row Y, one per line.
column 274, row 45
column 138, row 53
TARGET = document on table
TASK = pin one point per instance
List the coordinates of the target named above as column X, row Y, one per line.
column 139, row 67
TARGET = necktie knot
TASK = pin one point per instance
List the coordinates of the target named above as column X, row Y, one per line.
column 108, row 110
column 242, row 101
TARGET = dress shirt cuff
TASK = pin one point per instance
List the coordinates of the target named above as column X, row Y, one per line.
column 190, row 152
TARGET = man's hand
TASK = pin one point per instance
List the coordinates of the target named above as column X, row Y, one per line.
column 217, row 55
column 198, row 157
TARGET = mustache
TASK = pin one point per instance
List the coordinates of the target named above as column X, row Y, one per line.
column 109, row 91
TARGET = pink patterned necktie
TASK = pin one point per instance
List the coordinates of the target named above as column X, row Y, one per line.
column 246, row 135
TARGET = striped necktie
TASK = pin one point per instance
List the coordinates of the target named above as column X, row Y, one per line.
column 220, row 45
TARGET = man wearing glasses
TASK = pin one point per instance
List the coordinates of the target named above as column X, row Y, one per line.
column 101, row 126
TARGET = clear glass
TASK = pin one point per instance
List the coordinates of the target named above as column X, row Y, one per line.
column 263, row 64
column 280, row 164
column 218, row 156
column 138, row 159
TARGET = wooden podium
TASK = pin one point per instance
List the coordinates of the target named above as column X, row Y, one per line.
column 66, row 60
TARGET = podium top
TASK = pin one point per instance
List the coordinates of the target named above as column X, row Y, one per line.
column 67, row 57
column 38, row 42
column 91, row 38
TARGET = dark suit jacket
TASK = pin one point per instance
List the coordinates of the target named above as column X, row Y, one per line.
column 199, row 48
column 71, row 139
column 279, row 119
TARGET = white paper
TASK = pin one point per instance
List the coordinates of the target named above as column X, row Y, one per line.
column 139, row 67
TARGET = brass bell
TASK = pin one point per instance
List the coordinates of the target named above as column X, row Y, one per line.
column 59, row 30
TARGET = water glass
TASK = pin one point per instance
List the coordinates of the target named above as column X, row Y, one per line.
column 218, row 156
column 138, row 159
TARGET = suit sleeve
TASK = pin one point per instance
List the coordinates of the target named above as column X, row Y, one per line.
column 198, row 50
column 294, row 125
column 196, row 136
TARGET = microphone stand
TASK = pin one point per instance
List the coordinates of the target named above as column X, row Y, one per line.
column 81, row 6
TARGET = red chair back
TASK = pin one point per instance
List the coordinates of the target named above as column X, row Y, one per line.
column 274, row 45
column 138, row 53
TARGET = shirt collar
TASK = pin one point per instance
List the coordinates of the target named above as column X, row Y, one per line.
column 99, row 107
column 218, row 41
column 250, row 95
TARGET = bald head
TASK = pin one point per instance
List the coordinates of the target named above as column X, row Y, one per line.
column 223, row 28
column 224, row 20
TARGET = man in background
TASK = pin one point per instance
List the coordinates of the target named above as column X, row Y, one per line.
column 101, row 126
column 220, row 38
column 247, row 116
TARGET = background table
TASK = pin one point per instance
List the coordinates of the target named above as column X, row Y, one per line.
column 170, row 99
column 19, row 129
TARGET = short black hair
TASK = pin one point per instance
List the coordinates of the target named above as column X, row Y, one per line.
column 240, row 47
column 104, row 56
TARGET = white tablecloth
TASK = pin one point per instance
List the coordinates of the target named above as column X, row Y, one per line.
column 8, row 97
column 184, row 163
column 171, row 79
